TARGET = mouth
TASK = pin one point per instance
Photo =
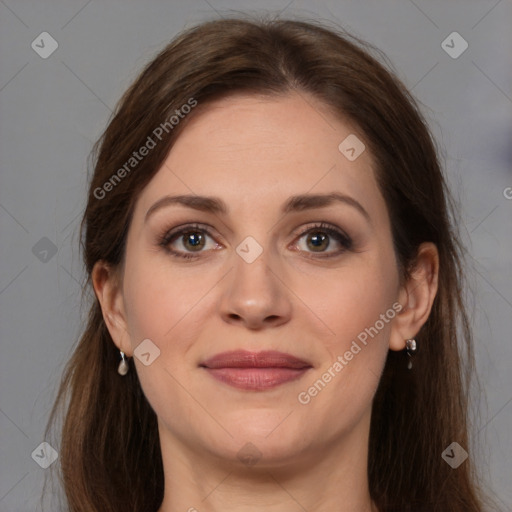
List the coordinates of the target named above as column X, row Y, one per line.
column 255, row 371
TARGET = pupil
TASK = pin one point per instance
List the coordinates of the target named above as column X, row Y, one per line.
column 194, row 239
column 318, row 239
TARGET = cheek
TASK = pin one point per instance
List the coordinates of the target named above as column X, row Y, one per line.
column 150, row 307
column 363, row 312
column 356, row 309
column 165, row 307
column 159, row 298
column 148, row 316
column 350, row 300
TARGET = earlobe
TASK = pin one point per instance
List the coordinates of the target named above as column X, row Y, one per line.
column 106, row 286
column 416, row 296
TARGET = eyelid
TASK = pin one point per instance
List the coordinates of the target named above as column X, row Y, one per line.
column 187, row 226
column 320, row 225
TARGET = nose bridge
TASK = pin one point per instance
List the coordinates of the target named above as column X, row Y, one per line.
column 254, row 294
column 251, row 273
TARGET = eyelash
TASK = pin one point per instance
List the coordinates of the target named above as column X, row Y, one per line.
column 344, row 240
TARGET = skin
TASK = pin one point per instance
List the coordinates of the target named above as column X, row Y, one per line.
column 254, row 153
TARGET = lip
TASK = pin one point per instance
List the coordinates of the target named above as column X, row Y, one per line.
column 255, row 371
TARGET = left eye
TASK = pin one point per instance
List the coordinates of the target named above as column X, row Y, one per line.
column 319, row 239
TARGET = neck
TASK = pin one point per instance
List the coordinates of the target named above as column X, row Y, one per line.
column 333, row 478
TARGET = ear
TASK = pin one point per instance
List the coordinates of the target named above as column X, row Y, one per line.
column 416, row 296
column 107, row 287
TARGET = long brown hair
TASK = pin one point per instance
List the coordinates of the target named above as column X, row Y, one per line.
column 110, row 453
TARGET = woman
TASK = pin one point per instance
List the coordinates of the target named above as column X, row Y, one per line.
column 278, row 322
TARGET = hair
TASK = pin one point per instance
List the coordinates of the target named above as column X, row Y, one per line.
column 110, row 452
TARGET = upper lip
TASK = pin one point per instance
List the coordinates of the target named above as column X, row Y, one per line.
column 247, row 359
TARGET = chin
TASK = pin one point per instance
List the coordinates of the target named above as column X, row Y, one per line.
column 270, row 438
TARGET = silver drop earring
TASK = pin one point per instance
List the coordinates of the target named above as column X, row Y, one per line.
column 411, row 348
column 123, row 367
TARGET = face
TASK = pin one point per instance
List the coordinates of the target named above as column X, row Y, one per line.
column 269, row 315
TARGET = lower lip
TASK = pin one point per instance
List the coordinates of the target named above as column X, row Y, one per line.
column 256, row 379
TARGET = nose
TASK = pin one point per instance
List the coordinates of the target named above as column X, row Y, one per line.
column 254, row 296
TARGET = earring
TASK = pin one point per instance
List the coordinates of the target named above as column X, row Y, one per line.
column 123, row 367
column 411, row 348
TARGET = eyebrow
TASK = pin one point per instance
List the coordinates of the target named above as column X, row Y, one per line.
column 295, row 203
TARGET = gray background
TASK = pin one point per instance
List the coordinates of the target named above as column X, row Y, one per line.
column 51, row 111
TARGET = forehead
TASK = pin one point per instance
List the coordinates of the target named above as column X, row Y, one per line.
column 248, row 148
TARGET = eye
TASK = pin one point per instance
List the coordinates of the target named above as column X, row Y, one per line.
column 184, row 242
column 190, row 241
column 322, row 236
